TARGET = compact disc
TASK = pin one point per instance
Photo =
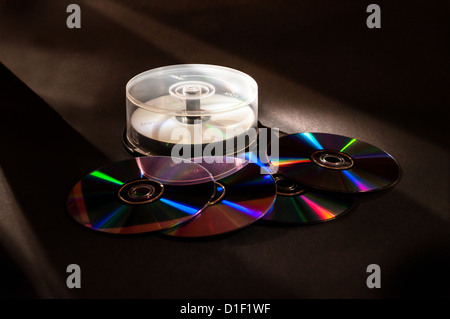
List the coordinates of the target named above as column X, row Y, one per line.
column 223, row 133
column 244, row 193
column 335, row 163
column 140, row 195
column 167, row 128
column 296, row 205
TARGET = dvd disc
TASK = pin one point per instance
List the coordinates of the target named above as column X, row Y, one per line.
column 335, row 163
column 243, row 195
column 296, row 205
column 140, row 195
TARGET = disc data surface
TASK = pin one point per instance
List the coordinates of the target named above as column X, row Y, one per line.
column 140, row 195
column 243, row 195
column 335, row 163
column 296, row 205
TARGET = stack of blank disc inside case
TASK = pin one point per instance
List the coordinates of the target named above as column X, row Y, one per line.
column 194, row 108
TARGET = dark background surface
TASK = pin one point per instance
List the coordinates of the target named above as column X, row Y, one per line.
column 319, row 69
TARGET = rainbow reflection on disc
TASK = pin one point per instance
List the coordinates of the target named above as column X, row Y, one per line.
column 296, row 205
column 335, row 163
column 243, row 195
column 140, row 195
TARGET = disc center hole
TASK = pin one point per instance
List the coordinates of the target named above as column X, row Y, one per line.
column 332, row 159
column 285, row 184
column 141, row 191
column 219, row 193
column 287, row 187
